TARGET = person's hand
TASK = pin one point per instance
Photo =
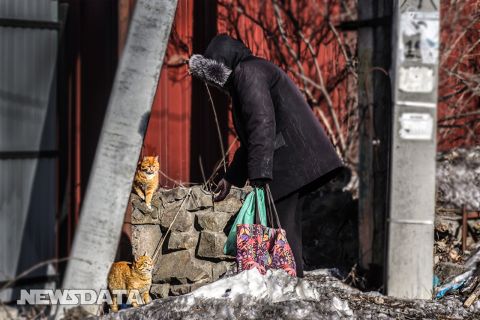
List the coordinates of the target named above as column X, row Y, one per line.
column 223, row 189
column 258, row 183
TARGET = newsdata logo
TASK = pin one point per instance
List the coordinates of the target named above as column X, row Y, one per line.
column 76, row 297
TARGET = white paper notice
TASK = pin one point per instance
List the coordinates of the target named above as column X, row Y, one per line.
column 419, row 36
column 416, row 126
column 416, row 79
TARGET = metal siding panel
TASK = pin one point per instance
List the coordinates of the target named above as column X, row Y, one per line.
column 25, row 89
column 27, row 123
column 27, row 216
column 43, row 10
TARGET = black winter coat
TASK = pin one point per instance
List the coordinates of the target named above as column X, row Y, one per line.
column 281, row 139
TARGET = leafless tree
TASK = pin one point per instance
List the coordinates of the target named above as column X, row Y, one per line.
column 459, row 85
column 302, row 38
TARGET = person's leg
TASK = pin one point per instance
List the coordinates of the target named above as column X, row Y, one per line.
column 291, row 221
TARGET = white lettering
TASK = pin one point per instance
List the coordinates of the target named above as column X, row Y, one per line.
column 88, row 297
column 104, row 297
column 42, row 297
column 58, row 296
column 134, row 295
column 26, row 297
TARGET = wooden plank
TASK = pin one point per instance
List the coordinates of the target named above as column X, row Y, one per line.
column 366, row 135
column 107, row 194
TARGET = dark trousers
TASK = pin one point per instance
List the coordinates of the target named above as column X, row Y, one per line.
column 290, row 214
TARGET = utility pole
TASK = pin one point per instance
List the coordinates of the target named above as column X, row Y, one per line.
column 412, row 175
column 375, row 109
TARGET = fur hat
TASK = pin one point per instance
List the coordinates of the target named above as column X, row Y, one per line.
column 209, row 70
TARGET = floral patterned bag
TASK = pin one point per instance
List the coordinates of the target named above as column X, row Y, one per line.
column 264, row 247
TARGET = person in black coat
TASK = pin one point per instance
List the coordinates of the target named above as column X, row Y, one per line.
column 281, row 141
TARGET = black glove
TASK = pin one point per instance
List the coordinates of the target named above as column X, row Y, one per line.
column 223, row 189
column 258, row 183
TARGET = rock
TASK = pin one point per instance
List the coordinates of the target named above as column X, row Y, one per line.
column 137, row 215
column 140, row 204
column 213, row 221
column 179, row 266
column 141, row 213
column 240, row 193
column 183, row 222
column 135, row 200
column 231, row 204
column 145, row 238
column 154, row 214
column 157, row 201
column 199, row 199
column 221, row 268
column 160, row 290
column 182, row 240
column 180, row 289
column 211, row 244
column 172, row 195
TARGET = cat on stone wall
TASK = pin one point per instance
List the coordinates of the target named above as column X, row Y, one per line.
column 146, row 179
column 131, row 276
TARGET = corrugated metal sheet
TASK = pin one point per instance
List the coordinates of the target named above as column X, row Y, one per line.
column 42, row 10
column 28, row 179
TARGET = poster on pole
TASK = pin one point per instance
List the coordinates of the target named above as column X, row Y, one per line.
column 416, row 126
column 419, row 32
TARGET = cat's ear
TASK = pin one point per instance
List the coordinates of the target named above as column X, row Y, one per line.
column 156, row 158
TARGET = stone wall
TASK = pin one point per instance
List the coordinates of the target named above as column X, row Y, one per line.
column 192, row 253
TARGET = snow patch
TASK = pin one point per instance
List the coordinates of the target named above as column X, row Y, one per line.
column 274, row 286
column 458, row 178
column 341, row 307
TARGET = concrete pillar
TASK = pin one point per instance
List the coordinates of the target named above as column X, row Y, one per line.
column 412, row 184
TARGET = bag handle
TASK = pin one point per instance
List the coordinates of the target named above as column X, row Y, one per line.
column 271, row 206
column 269, row 212
column 257, row 213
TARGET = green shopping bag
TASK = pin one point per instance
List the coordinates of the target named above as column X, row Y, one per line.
column 246, row 215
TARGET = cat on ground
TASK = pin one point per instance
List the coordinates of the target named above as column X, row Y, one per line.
column 131, row 276
column 146, row 179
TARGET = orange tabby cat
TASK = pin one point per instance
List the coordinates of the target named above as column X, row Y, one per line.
column 146, row 179
column 127, row 276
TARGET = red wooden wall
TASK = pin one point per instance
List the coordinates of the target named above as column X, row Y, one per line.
column 168, row 134
column 181, row 130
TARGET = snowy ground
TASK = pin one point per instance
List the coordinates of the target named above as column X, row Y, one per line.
column 458, row 178
column 319, row 295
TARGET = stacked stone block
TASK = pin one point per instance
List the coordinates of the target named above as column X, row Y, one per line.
column 192, row 253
